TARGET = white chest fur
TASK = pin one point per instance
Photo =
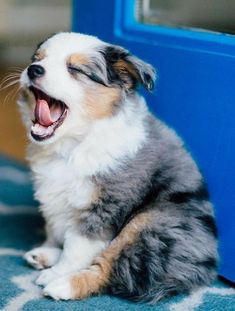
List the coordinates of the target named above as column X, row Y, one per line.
column 60, row 189
column 58, row 181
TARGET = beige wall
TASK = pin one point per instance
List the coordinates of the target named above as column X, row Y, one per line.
column 23, row 23
column 12, row 134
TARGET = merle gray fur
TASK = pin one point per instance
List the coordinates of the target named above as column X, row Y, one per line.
column 179, row 251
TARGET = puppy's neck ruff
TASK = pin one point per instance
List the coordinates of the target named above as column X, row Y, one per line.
column 104, row 146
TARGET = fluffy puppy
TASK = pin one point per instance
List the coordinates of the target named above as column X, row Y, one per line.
column 126, row 208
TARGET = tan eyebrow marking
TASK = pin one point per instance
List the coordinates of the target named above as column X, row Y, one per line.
column 78, row 59
column 39, row 55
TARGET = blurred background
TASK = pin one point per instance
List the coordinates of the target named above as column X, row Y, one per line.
column 23, row 24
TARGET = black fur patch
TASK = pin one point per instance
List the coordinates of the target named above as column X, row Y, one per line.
column 141, row 72
column 183, row 226
column 185, row 196
column 209, row 263
column 111, row 56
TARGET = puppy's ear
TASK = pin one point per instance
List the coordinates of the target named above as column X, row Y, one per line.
column 127, row 70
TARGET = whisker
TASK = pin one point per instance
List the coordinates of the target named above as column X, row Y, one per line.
column 16, row 67
column 5, row 81
column 9, row 77
column 7, row 97
column 16, row 90
column 12, row 93
column 15, row 70
column 12, row 73
column 10, row 83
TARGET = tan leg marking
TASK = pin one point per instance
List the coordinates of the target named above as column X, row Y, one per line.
column 94, row 280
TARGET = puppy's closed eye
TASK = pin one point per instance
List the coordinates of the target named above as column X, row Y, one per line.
column 74, row 70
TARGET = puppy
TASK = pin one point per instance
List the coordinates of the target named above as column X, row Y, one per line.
column 126, row 208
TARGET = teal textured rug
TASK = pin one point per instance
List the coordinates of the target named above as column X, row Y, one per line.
column 21, row 229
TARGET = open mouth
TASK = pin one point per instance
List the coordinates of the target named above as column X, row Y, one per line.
column 49, row 114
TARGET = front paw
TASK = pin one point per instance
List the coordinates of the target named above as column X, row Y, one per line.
column 60, row 289
column 76, row 286
column 42, row 257
column 46, row 277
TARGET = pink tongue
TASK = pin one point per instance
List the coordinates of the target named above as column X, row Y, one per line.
column 42, row 113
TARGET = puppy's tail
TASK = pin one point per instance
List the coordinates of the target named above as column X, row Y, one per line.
column 128, row 281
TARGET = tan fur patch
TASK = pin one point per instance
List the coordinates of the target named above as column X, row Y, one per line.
column 86, row 283
column 128, row 235
column 78, row 59
column 126, row 71
column 94, row 280
column 100, row 101
column 123, row 66
column 39, row 55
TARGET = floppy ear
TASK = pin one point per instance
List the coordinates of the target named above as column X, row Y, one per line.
column 127, row 70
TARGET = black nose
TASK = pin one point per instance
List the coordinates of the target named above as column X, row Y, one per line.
column 35, row 71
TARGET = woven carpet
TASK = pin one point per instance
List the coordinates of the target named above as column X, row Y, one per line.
column 21, row 228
